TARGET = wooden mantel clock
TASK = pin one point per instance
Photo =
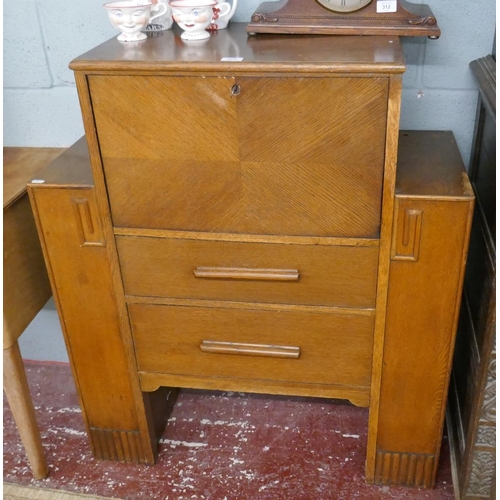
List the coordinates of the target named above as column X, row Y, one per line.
column 344, row 17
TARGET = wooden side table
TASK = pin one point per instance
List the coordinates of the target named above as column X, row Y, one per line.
column 26, row 288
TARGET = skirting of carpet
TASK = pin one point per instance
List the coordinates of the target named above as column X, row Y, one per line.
column 216, row 446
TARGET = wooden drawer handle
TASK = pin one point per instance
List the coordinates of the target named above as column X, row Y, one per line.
column 268, row 351
column 241, row 273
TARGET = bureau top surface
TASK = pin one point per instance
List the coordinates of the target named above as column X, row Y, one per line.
column 70, row 169
column 233, row 50
column 430, row 166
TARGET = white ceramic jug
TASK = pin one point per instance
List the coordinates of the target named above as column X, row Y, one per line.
column 223, row 19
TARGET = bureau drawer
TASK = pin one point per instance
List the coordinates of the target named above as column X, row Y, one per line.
column 280, row 345
column 282, row 156
column 325, row 275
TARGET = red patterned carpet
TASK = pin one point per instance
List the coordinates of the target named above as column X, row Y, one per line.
column 216, row 446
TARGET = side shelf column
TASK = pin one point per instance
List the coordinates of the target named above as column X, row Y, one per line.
column 433, row 212
column 74, row 247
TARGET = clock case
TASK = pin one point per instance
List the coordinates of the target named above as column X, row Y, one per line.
column 309, row 17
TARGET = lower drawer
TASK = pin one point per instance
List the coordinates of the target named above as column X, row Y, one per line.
column 297, row 346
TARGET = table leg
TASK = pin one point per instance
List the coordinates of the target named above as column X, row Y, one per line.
column 16, row 388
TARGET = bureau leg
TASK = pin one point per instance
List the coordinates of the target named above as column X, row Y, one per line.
column 160, row 404
column 360, row 401
column 429, row 247
column 18, row 395
column 135, row 446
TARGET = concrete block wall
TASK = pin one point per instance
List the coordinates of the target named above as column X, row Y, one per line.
column 439, row 91
column 41, row 105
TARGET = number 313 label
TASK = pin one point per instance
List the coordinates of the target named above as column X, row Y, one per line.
column 387, row 6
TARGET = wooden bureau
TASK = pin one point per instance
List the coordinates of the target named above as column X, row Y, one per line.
column 238, row 236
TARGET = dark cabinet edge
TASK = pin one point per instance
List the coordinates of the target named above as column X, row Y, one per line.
column 484, row 70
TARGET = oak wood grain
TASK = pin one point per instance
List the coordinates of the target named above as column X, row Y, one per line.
column 248, row 238
column 246, row 273
column 70, row 169
column 82, row 284
column 93, row 338
column 248, row 156
column 246, row 349
column 331, row 276
column 251, row 306
column 422, row 318
column 357, row 396
column 334, row 349
column 387, row 215
column 442, row 178
column 144, row 403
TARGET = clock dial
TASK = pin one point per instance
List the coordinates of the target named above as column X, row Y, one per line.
column 343, row 5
